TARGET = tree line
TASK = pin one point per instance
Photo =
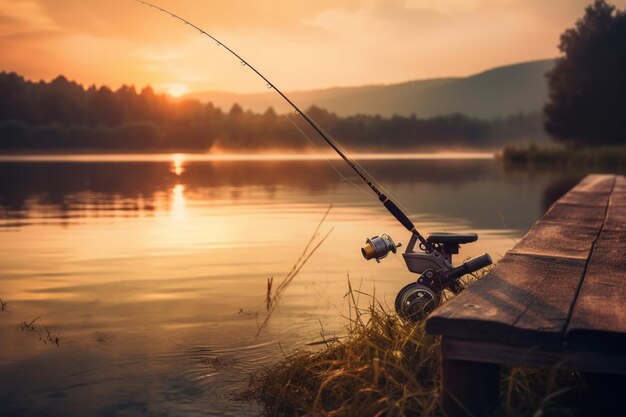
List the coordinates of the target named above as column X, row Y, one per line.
column 63, row 115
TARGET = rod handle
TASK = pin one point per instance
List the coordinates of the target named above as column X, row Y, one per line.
column 397, row 213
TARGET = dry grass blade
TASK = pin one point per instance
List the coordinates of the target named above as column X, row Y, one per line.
column 304, row 253
column 268, row 296
column 272, row 301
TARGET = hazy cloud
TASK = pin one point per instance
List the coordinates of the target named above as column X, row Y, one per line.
column 6, row 20
column 125, row 18
column 303, row 44
column 31, row 35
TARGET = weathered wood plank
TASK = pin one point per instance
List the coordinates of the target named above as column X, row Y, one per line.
column 582, row 198
column 573, row 223
column 585, row 204
column 574, row 215
column 599, row 316
column 558, row 240
column 592, row 190
column 546, row 316
column 620, row 184
column 533, row 356
column 612, row 240
column 616, row 217
column 596, row 183
column 619, row 197
column 619, row 192
column 525, row 299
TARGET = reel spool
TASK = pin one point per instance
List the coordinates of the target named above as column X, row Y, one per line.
column 415, row 301
column 378, row 247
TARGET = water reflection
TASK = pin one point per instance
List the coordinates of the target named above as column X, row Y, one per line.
column 153, row 274
column 36, row 190
column 178, row 161
column 178, row 201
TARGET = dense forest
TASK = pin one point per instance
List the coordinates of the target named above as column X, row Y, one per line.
column 62, row 115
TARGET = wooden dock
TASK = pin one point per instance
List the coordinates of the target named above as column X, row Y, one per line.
column 557, row 299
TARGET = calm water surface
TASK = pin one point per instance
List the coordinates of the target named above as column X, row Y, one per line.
column 151, row 271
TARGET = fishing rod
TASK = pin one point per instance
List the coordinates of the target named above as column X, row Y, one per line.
column 434, row 263
column 387, row 202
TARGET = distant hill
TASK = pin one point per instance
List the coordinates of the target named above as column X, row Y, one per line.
column 498, row 92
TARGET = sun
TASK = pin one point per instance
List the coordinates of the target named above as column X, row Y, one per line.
column 176, row 90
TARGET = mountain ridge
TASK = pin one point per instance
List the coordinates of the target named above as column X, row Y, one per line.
column 493, row 93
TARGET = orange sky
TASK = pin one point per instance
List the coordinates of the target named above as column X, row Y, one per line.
column 298, row 44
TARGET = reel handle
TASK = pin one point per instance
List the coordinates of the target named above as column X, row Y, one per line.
column 468, row 267
column 439, row 280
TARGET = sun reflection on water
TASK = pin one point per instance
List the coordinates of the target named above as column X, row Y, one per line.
column 178, row 202
column 178, row 163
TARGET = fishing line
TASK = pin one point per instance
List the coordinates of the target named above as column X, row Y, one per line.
column 318, row 150
column 378, row 184
column 365, row 171
column 391, row 206
column 341, row 176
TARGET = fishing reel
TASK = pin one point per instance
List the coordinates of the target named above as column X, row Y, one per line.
column 379, row 247
column 434, row 264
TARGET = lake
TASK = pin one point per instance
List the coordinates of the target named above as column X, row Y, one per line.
column 135, row 285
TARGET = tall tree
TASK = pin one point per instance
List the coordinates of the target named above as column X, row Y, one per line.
column 587, row 87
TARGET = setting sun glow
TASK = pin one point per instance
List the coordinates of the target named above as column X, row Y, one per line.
column 176, row 90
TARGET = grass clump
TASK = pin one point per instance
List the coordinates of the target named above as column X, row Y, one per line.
column 602, row 157
column 387, row 367
column 383, row 366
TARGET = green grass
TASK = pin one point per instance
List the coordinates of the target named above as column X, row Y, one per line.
column 387, row 367
column 605, row 157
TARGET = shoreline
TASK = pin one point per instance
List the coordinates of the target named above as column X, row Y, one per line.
column 222, row 156
column 533, row 157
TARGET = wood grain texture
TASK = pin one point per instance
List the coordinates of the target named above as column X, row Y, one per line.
column 558, row 240
column 619, row 192
column 616, row 218
column 596, row 183
column 620, row 184
column 575, row 215
column 599, row 316
column 583, row 198
column 524, row 300
column 593, row 190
